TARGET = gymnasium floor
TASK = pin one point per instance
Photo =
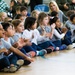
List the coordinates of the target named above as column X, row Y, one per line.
column 56, row 63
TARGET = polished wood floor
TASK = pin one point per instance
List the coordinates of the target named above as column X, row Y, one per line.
column 56, row 63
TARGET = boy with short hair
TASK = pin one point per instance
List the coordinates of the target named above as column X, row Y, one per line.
column 24, row 11
column 6, row 48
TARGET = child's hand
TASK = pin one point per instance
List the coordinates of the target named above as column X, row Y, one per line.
column 28, row 43
column 64, row 30
column 4, row 50
column 15, row 45
column 53, row 26
column 20, row 43
column 26, row 40
column 8, row 52
column 30, row 59
column 43, row 33
column 47, row 34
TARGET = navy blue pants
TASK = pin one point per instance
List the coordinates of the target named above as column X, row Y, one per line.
column 7, row 60
column 57, row 43
column 46, row 44
column 67, row 38
column 35, row 47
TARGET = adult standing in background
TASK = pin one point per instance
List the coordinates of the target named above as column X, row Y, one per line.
column 3, row 6
column 54, row 7
column 63, row 5
column 33, row 3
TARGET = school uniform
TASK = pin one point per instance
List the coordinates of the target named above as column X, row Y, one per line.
column 39, row 40
column 24, row 49
column 67, row 36
column 56, row 42
column 5, row 61
column 47, row 30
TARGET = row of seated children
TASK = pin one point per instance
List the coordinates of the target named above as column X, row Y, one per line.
column 20, row 42
column 25, row 45
column 30, row 40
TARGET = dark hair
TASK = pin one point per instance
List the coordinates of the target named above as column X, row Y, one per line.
column 18, row 8
column 53, row 20
column 54, row 13
column 16, row 22
column 70, row 12
column 14, row 2
column 29, row 22
column 6, row 25
column 18, row 16
column 23, row 8
column 72, row 17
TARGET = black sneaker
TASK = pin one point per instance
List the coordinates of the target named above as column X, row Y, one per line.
column 27, row 62
column 49, row 51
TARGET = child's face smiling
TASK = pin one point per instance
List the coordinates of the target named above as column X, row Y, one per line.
column 58, row 23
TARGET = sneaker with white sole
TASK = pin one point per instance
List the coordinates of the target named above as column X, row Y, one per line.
column 73, row 44
column 20, row 62
column 11, row 69
column 69, row 47
column 41, row 52
column 6, row 69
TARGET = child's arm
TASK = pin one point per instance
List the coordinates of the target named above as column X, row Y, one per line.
column 58, row 35
column 19, row 44
column 43, row 31
column 50, row 35
column 27, row 42
column 4, row 50
column 18, row 52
